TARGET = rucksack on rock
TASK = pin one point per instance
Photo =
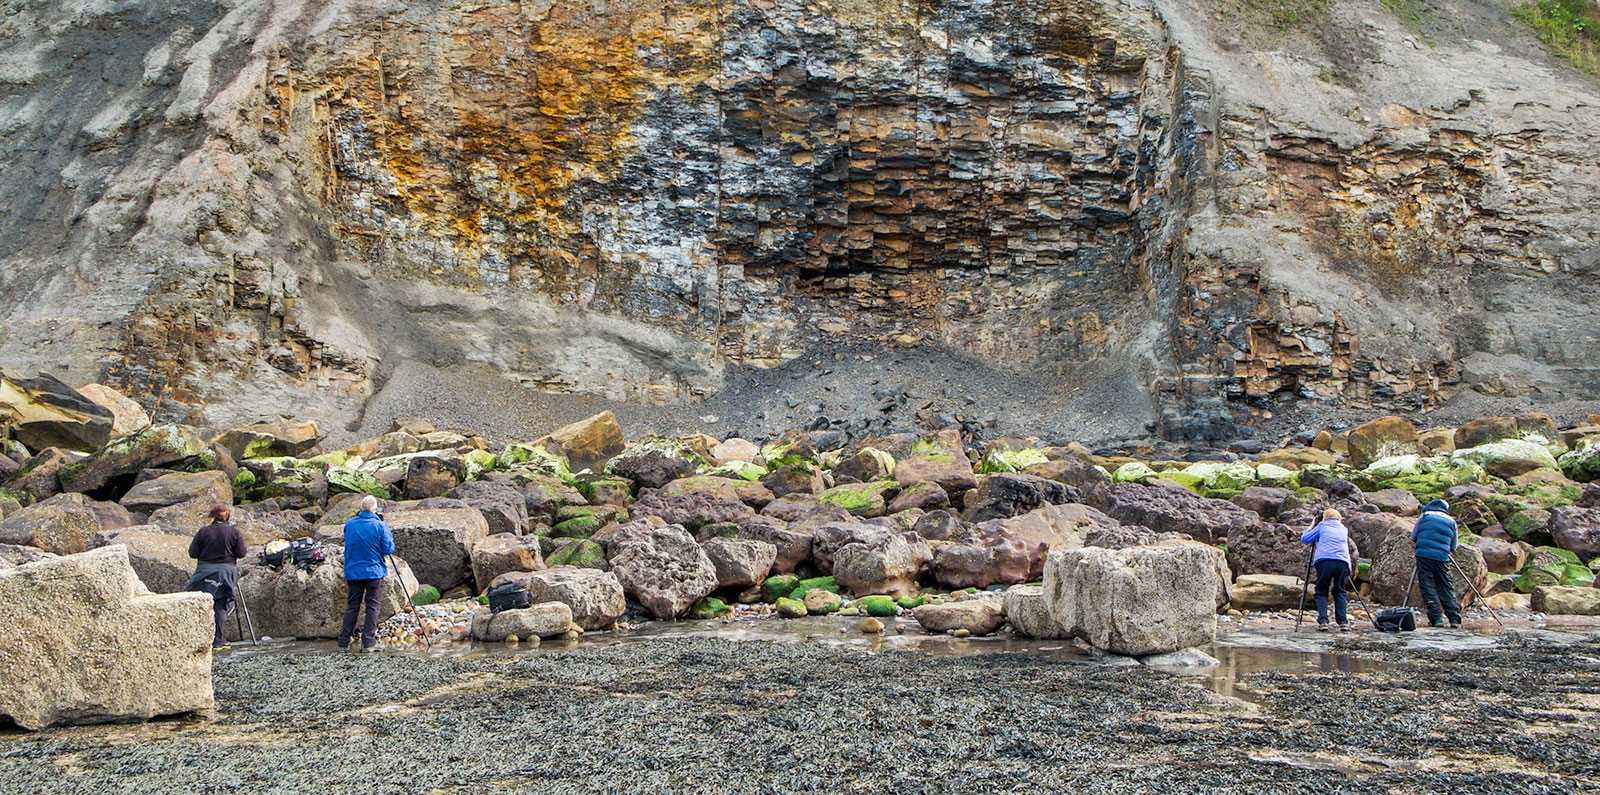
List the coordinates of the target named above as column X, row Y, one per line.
column 509, row 596
column 275, row 552
column 306, row 552
column 1397, row 619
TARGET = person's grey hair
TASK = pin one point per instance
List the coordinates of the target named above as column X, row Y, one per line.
column 369, row 503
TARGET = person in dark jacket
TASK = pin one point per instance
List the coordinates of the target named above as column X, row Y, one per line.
column 1436, row 539
column 218, row 547
column 1331, row 559
column 366, row 540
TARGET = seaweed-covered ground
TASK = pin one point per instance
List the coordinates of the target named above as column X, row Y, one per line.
column 714, row 715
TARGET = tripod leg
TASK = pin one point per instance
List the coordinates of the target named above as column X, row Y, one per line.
column 245, row 609
column 1477, row 593
column 1300, row 612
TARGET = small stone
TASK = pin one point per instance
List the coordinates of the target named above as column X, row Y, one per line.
column 961, row 633
column 871, row 626
column 512, row 640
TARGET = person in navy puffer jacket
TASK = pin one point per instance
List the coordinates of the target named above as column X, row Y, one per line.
column 1436, row 539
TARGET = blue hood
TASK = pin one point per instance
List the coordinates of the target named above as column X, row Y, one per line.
column 1437, row 505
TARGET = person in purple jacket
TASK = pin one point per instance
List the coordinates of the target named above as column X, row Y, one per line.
column 1332, row 560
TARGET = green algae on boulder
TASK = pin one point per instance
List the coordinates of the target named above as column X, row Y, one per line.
column 1133, row 472
column 1011, row 460
column 583, row 553
column 877, row 605
column 778, row 586
column 426, row 595
column 912, row 602
column 109, row 471
column 709, row 607
column 790, row 608
column 804, row 587
column 862, row 499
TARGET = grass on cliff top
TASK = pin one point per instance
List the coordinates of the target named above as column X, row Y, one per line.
column 1570, row 27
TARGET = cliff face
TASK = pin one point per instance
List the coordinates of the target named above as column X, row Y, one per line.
column 237, row 209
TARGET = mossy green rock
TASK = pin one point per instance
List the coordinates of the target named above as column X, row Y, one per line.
column 1132, row 472
column 709, row 607
column 911, row 602
column 879, row 606
column 862, row 499
column 790, row 608
column 342, row 480
column 1526, row 523
column 803, row 586
column 717, row 530
column 1546, row 566
column 1583, row 464
column 426, row 595
column 584, row 554
column 1011, row 460
column 576, row 527
column 778, row 586
column 1577, row 575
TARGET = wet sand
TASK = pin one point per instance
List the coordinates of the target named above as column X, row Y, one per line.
column 691, row 708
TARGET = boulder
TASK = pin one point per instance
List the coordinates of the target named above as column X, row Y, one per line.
column 1268, row 592
column 38, row 478
column 503, row 507
column 577, row 552
column 44, row 412
column 738, row 489
column 1003, row 495
column 996, row 557
column 1507, row 458
column 440, row 541
column 943, row 525
column 831, row 537
column 151, row 495
column 1395, row 559
column 270, row 440
column 1381, row 438
column 1053, row 526
column 1537, row 427
column 953, row 473
column 85, row 642
column 693, row 509
column 1136, row 601
column 1263, row 501
column 1511, row 601
column 110, row 471
column 499, row 553
column 64, row 524
column 263, row 522
column 594, row 597
column 654, row 462
column 432, row 476
column 1267, row 548
column 1576, row 530
column 543, row 620
column 1175, row 510
column 1566, row 600
column 127, row 417
column 587, row 443
column 1395, row 501
column 1092, row 485
column 739, row 563
column 1028, row 614
column 290, row 602
column 661, row 568
column 791, row 547
column 734, row 449
column 161, row 559
column 982, row 614
column 819, row 602
column 864, row 466
column 799, row 477
column 866, row 500
column 919, row 496
column 291, row 486
column 1500, row 556
column 886, row 566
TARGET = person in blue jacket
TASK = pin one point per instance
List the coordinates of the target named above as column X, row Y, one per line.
column 1331, row 559
column 366, row 540
column 1436, row 539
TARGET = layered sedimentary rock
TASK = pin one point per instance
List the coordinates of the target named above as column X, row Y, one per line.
column 228, row 210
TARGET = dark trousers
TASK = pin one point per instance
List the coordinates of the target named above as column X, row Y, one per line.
column 221, row 611
column 1331, row 575
column 371, row 593
column 1437, row 587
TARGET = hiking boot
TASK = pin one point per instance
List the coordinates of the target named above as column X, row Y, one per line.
column 1344, row 626
column 371, row 649
column 1435, row 624
column 1456, row 624
column 1322, row 626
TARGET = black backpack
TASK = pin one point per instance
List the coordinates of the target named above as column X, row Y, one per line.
column 1396, row 619
column 306, row 552
column 509, row 596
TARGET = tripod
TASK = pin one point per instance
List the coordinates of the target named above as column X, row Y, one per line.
column 1464, row 578
column 244, row 610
